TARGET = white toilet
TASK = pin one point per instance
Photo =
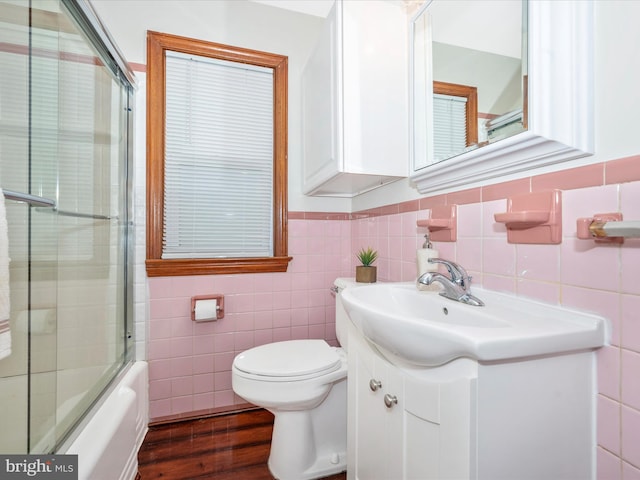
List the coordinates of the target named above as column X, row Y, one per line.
column 304, row 384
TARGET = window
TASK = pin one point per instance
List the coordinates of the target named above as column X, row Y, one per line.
column 455, row 111
column 216, row 158
column 449, row 127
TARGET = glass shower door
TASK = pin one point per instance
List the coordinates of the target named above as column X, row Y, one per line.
column 14, row 174
column 69, row 262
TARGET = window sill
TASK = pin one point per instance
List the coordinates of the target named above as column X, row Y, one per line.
column 215, row 266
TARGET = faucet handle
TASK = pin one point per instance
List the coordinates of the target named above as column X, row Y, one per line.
column 457, row 272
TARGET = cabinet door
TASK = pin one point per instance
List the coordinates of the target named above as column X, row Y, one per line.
column 370, row 428
column 322, row 106
column 422, row 430
column 391, row 399
column 437, row 429
column 375, row 88
column 378, row 418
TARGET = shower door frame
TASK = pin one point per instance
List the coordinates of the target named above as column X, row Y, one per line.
column 122, row 317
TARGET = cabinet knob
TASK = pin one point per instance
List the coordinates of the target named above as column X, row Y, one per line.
column 390, row 400
column 375, row 384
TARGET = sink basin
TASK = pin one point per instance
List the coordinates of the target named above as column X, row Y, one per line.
column 424, row 328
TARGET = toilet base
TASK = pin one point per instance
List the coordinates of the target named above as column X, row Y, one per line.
column 323, row 467
column 311, row 444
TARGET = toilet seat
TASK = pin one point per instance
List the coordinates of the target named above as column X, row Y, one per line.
column 289, row 360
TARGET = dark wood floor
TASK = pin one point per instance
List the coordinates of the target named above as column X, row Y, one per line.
column 233, row 446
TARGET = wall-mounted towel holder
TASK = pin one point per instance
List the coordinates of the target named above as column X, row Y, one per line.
column 207, row 308
column 534, row 218
column 607, row 228
column 442, row 223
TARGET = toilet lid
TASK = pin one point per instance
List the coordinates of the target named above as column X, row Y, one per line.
column 290, row 358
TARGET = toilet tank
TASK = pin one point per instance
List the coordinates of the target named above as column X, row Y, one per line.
column 342, row 325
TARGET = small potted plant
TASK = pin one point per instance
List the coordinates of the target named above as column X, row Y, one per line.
column 366, row 272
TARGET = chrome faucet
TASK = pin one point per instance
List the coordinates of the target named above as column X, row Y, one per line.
column 458, row 274
column 456, row 287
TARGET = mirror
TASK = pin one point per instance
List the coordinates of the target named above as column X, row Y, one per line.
column 480, row 47
column 499, row 87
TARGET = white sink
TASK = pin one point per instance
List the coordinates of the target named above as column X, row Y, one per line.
column 424, row 328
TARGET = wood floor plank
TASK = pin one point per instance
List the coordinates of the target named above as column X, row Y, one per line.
column 226, row 447
column 172, row 432
column 208, row 444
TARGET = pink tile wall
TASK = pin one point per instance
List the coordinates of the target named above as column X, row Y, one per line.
column 190, row 363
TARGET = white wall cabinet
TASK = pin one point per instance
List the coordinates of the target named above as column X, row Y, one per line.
column 560, row 103
column 355, row 100
column 527, row 419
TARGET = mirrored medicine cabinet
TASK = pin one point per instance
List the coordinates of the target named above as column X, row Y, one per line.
column 498, row 87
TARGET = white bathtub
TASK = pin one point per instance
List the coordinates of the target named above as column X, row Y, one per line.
column 107, row 446
column 56, row 395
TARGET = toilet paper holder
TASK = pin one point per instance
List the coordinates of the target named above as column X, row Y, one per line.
column 219, row 311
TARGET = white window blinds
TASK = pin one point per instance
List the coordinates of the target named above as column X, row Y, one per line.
column 450, row 126
column 218, row 182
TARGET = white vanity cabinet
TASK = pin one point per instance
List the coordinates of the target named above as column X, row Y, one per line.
column 528, row 419
column 402, row 426
column 355, row 100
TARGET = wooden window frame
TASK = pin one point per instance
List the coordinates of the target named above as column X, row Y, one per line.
column 157, row 44
column 471, row 94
